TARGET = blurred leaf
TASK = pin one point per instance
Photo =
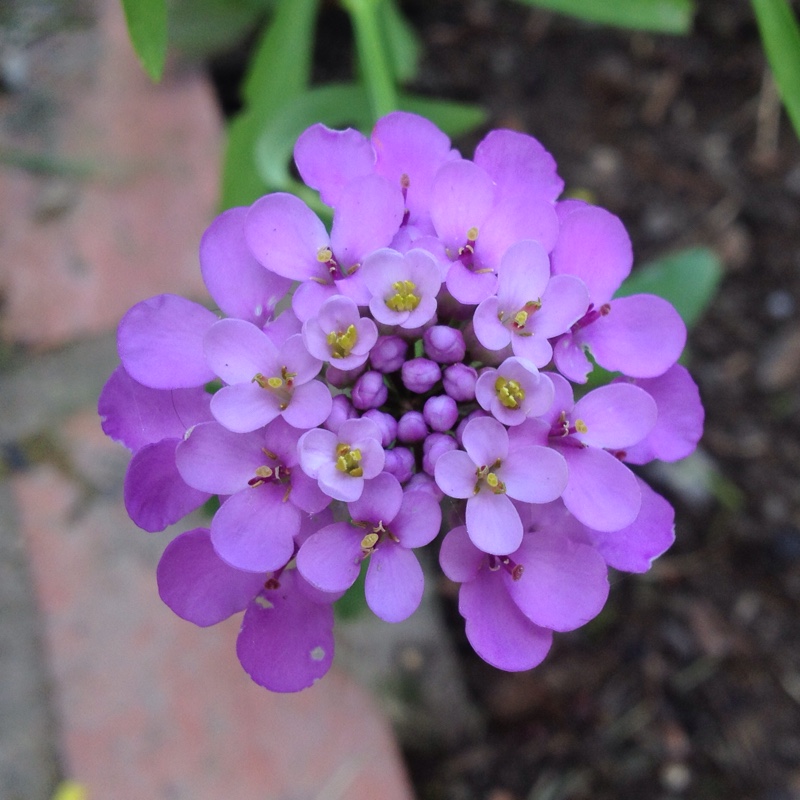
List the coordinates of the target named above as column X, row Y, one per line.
column 401, row 39
column 200, row 28
column 353, row 603
column 688, row 279
column 781, row 36
column 279, row 72
column 452, row 117
column 662, row 16
column 147, row 28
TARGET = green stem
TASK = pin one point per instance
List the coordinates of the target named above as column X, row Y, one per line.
column 373, row 56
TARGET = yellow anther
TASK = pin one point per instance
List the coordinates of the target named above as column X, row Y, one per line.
column 520, row 318
column 472, row 234
column 492, row 480
column 580, row 426
column 342, row 343
column 275, row 383
column 324, row 254
column 509, row 393
column 348, row 460
column 404, row 298
column 264, row 472
column 369, row 541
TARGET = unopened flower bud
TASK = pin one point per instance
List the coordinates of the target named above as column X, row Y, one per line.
column 341, row 411
column 400, row 463
column 444, row 344
column 434, row 446
column 420, row 482
column 459, row 382
column 411, row 427
column 342, row 377
column 420, row 375
column 369, row 391
column 386, row 422
column 440, row 412
column 388, row 354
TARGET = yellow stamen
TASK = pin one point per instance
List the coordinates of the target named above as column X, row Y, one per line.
column 342, row 343
column 580, row 426
column 264, row 472
column 472, row 234
column 348, row 460
column 509, row 393
column 324, row 254
column 369, row 541
column 520, row 318
column 404, row 298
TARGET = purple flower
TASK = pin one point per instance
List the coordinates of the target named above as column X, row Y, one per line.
column 387, row 524
column 369, row 391
column 420, row 375
column 488, row 475
column 440, row 413
column 343, row 461
column 339, row 335
column 514, row 391
column 263, row 381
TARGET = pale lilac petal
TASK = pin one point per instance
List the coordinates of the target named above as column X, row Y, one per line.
column 602, row 492
column 198, row 585
column 357, row 430
column 244, row 407
column 633, row 549
column 519, row 165
column 523, row 276
column 254, row 529
column 160, row 342
column 373, row 457
column 340, row 485
column 368, row 214
column 309, row 297
column 379, row 502
column 594, row 246
column 419, row 519
column 489, row 330
column 136, row 415
column 154, row 493
column 328, row 160
column 295, row 357
column 306, row 494
column 213, row 459
column 571, row 360
column 564, row 302
column 485, row 440
column 642, row 336
column 564, row 583
column 240, row 286
column 534, row 474
column 310, row 405
column 498, row 631
column 461, row 198
column 615, row 417
column 468, row 287
column 455, row 474
column 535, row 349
column 493, row 523
column 286, row 642
column 285, row 235
column 459, row 558
column 286, row 324
column 513, row 219
column 331, row 558
column 238, row 350
column 680, row 418
column 317, row 448
column 394, row 582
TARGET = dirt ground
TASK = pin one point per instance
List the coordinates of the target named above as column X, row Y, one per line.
column 688, row 684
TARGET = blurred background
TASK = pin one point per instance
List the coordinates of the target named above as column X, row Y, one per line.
column 686, row 686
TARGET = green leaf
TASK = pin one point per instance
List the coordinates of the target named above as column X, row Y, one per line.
column 401, row 39
column 781, row 37
column 279, row 72
column 688, row 279
column 662, row 16
column 147, row 28
column 353, row 603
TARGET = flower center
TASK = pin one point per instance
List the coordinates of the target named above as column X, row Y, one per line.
column 519, row 320
column 514, row 569
column 562, row 427
column 509, row 393
column 404, row 298
column 342, row 342
column 281, row 385
column 486, row 476
column 348, row 460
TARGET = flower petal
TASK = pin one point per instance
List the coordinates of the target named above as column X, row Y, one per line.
column 394, row 582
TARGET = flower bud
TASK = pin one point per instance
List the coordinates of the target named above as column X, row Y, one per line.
column 420, row 375
column 420, row 482
column 369, row 391
column 341, row 411
column 434, row 446
column 459, row 382
column 386, row 422
column 388, row 354
column 400, row 463
column 411, row 427
column 342, row 377
column 440, row 412
column 444, row 344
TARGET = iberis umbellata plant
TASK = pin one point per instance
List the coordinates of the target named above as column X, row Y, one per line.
column 415, row 376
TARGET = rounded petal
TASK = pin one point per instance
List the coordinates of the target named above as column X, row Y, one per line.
column 379, row 502
column 459, row 558
column 523, row 276
column 238, row 350
column 461, row 198
column 198, row 585
column 310, row 405
column 244, row 407
column 485, row 440
column 419, row 519
column 394, row 582
column 493, row 523
column 331, row 558
column 160, row 342
column 286, row 641
column 455, row 474
column 155, row 494
column 317, row 448
column 614, row 416
column 564, row 302
column 534, row 474
column 571, row 360
column 489, row 330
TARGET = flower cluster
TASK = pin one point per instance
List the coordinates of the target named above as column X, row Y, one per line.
column 421, row 377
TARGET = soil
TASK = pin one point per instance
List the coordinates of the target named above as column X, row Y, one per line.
column 688, row 684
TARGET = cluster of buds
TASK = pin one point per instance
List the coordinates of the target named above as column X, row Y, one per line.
column 412, row 372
